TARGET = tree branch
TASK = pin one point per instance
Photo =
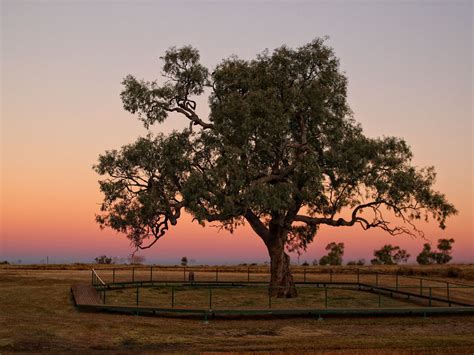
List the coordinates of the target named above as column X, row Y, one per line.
column 257, row 225
column 191, row 115
column 378, row 222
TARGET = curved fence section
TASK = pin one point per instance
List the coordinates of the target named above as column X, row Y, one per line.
column 216, row 291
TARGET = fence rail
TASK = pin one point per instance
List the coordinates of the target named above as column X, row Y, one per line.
column 96, row 279
column 391, row 290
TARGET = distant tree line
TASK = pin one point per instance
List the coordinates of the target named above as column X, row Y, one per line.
column 386, row 255
column 389, row 255
column 131, row 259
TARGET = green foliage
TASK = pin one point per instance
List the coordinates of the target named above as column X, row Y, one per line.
column 389, row 255
column 426, row 255
column 442, row 256
column 334, row 257
column 280, row 150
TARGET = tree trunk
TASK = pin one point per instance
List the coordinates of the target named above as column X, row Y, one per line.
column 281, row 280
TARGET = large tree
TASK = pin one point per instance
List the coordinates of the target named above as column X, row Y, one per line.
column 279, row 150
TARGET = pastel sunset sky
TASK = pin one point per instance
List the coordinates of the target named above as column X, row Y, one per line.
column 409, row 66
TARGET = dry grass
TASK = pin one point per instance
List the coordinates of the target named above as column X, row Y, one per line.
column 256, row 297
column 460, row 272
column 248, row 298
column 37, row 314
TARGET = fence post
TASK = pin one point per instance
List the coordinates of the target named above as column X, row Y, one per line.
column 172, row 296
column 248, row 273
column 151, row 273
column 138, row 290
column 325, row 295
column 421, row 286
column 358, row 275
column 210, row 297
column 133, row 274
column 113, row 275
column 396, row 278
column 304, row 274
column 269, row 296
column 217, row 274
column 447, row 292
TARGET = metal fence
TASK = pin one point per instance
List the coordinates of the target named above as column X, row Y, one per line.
column 247, row 288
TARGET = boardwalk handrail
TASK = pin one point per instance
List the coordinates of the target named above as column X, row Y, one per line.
column 429, row 292
column 96, row 277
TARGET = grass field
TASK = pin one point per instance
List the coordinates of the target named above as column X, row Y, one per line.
column 37, row 314
column 248, row 298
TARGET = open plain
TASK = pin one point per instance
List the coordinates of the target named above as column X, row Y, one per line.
column 37, row 314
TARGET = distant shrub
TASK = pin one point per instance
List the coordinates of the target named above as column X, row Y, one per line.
column 453, row 272
column 184, row 261
column 4, row 262
column 103, row 259
column 359, row 262
column 305, row 263
column 315, row 262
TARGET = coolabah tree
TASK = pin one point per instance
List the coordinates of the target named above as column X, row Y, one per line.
column 334, row 257
column 389, row 255
column 426, row 256
column 442, row 256
column 279, row 150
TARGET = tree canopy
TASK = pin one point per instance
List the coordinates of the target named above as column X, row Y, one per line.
column 389, row 255
column 279, row 150
column 442, row 256
column 334, row 257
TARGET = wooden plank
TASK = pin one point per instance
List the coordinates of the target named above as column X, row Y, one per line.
column 320, row 312
column 85, row 294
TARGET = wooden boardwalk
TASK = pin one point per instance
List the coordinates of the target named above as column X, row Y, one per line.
column 85, row 294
